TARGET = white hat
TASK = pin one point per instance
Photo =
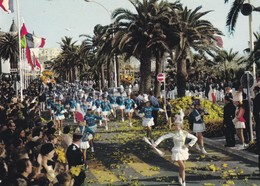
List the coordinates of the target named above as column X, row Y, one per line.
column 237, row 96
column 179, row 118
column 146, row 99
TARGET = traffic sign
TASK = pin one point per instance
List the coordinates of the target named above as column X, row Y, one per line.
column 161, row 77
column 247, row 79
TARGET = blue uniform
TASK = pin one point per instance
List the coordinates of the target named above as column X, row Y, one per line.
column 85, row 131
column 129, row 103
column 73, row 104
column 148, row 111
column 106, row 106
column 90, row 119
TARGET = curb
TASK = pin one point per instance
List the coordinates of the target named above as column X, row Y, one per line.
column 240, row 153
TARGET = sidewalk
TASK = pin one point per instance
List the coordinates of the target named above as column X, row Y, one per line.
column 219, row 142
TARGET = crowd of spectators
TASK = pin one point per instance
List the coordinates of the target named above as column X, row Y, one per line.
column 30, row 151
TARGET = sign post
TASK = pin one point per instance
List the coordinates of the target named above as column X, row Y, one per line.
column 247, row 81
column 161, row 78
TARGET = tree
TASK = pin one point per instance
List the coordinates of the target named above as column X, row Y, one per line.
column 142, row 35
column 9, row 49
column 195, row 34
column 224, row 58
column 233, row 14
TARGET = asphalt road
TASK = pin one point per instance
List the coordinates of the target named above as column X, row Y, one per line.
column 121, row 157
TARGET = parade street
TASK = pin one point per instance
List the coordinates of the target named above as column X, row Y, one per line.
column 121, row 157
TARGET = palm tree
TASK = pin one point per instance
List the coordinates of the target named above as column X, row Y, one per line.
column 194, row 34
column 142, row 35
column 233, row 14
column 67, row 63
column 224, row 58
column 9, row 49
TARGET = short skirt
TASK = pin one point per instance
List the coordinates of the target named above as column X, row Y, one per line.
column 240, row 125
column 121, row 107
column 84, row 145
column 114, row 105
column 129, row 110
column 94, row 107
column 105, row 113
column 147, row 122
column 199, row 127
column 98, row 109
column 59, row 117
column 180, row 154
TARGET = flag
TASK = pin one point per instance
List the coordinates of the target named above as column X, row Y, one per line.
column 29, row 57
column 23, row 33
column 219, row 41
column 7, row 5
column 36, row 62
column 34, row 42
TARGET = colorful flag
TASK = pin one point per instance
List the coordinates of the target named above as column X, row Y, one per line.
column 23, row 36
column 7, row 5
column 37, row 64
column 34, row 42
column 29, row 57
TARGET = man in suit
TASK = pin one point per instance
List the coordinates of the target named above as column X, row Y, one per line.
column 256, row 113
column 75, row 158
column 229, row 114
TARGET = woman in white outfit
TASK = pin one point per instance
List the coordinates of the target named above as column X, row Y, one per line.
column 180, row 151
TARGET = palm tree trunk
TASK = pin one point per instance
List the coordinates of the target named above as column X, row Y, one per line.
column 0, row 66
column 117, row 71
column 158, row 69
column 108, row 72
column 181, row 76
column 145, row 74
column 102, row 76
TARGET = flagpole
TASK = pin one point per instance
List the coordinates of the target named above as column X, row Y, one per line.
column 20, row 50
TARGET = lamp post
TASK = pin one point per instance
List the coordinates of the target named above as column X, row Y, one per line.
column 109, row 13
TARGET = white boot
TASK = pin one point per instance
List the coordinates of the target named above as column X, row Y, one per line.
column 183, row 183
column 100, row 122
column 203, row 151
column 106, row 127
column 179, row 179
column 123, row 119
column 198, row 147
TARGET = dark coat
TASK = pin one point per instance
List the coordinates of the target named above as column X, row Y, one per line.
column 229, row 114
column 74, row 155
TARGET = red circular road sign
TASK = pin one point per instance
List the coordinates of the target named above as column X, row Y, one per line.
column 161, row 77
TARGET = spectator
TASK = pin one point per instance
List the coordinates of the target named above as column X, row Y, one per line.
column 229, row 129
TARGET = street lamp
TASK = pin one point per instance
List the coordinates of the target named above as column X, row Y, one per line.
column 111, row 21
column 247, row 10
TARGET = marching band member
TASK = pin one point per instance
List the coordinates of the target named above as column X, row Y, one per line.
column 129, row 108
column 98, row 107
column 113, row 102
column 90, row 122
column 121, row 105
column 106, row 109
column 146, row 114
column 180, row 151
column 73, row 104
column 59, row 114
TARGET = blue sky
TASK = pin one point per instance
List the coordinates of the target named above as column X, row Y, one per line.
column 54, row 19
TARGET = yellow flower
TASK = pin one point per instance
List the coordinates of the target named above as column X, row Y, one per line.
column 75, row 170
column 61, row 154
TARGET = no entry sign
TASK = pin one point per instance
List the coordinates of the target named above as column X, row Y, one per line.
column 161, row 77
